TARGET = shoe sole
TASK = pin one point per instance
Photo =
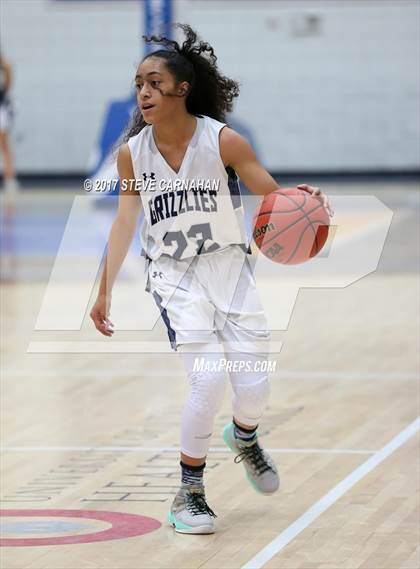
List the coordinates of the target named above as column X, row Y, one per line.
column 249, row 477
column 179, row 527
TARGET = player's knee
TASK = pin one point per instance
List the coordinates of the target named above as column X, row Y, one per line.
column 251, row 399
column 207, row 392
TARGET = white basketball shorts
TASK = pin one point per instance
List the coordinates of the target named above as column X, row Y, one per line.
column 209, row 298
column 6, row 116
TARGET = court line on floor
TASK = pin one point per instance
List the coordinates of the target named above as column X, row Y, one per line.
column 287, row 535
column 99, row 347
column 283, row 374
column 346, row 375
column 173, row 449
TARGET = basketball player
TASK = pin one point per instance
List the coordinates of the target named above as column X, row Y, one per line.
column 10, row 182
column 196, row 249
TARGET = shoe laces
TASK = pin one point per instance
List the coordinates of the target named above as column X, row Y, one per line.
column 196, row 504
column 255, row 456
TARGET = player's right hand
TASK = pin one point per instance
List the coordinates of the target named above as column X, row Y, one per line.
column 100, row 315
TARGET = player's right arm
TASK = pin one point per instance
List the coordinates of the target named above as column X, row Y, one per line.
column 120, row 238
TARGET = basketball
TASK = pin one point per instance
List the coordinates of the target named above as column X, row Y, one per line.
column 290, row 226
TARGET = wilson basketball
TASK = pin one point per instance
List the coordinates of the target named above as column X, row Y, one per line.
column 290, row 226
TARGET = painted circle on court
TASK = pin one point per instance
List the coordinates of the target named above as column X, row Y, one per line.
column 122, row 526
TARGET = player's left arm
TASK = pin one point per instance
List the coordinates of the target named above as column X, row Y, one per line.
column 238, row 153
column 7, row 69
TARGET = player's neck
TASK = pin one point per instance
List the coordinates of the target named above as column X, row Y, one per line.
column 179, row 130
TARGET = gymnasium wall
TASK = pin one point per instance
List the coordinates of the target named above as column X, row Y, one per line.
column 326, row 85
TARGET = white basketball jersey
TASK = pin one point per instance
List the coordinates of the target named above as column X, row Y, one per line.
column 195, row 211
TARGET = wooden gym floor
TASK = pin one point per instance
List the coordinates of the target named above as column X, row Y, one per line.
column 88, row 429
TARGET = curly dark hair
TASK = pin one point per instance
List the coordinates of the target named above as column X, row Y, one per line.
column 210, row 93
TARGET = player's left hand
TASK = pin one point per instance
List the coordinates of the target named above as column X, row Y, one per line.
column 317, row 192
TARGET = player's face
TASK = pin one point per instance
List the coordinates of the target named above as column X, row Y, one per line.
column 154, row 83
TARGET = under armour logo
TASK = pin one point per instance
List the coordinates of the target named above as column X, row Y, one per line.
column 151, row 176
column 157, row 274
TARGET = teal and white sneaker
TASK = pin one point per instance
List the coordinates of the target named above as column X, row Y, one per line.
column 260, row 468
column 189, row 511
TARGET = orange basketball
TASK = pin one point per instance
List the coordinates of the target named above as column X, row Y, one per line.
column 290, row 226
